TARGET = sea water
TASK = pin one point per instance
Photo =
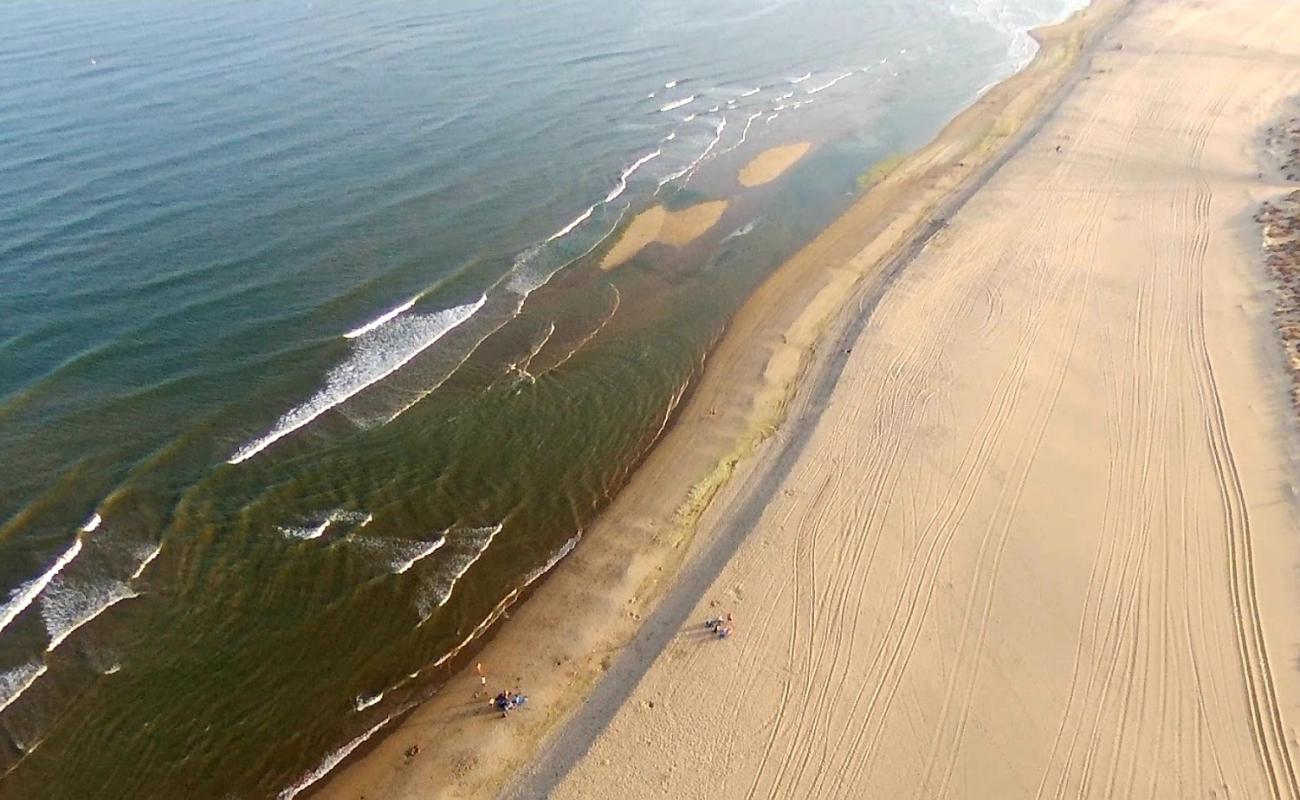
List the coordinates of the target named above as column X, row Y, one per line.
column 307, row 367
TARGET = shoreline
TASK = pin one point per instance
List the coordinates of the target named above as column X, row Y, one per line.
column 1048, row 543
column 599, row 596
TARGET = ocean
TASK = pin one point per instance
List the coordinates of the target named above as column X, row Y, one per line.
column 308, row 367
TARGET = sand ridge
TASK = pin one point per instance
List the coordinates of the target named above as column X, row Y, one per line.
column 772, row 163
column 658, row 224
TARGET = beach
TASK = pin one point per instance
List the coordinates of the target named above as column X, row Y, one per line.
column 1032, row 531
column 594, row 636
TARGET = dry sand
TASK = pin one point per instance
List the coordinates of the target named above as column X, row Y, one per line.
column 915, row 544
column 770, row 164
column 1032, row 533
column 658, row 224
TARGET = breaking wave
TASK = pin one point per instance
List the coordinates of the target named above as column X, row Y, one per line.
column 464, row 547
column 677, row 103
column 829, row 83
column 377, row 355
column 148, row 558
column 420, row 551
column 364, row 701
column 69, row 605
column 13, row 682
column 381, row 319
column 332, row 760
column 21, row 597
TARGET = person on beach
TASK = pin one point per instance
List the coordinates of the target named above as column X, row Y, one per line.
column 502, row 702
column 722, row 626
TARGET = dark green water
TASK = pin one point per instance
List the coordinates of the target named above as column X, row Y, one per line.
column 235, row 539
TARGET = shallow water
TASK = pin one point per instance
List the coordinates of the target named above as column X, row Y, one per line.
column 305, row 362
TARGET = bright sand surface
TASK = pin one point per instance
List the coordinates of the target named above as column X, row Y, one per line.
column 1037, row 539
column 1030, row 537
column 768, row 165
column 658, row 224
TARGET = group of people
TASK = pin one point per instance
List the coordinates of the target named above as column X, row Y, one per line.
column 721, row 626
column 508, row 700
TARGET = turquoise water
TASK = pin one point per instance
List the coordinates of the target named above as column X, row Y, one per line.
column 306, row 366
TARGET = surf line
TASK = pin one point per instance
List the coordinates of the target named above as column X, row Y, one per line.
column 627, row 173
column 678, row 103
column 381, row 319
column 341, row 383
column 23, row 596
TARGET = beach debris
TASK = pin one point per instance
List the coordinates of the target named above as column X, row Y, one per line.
column 413, row 751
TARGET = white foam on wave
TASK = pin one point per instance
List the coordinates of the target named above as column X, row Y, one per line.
column 677, row 103
column 744, row 134
column 68, row 605
column 464, row 548
column 333, row 759
column 318, row 527
column 829, row 83
column 91, row 524
column 307, row 532
column 801, row 78
column 148, row 558
column 785, row 96
column 376, row 355
column 366, row 701
column 670, row 84
column 771, row 117
column 753, row 91
column 21, row 597
column 509, row 600
column 13, row 682
column 688, row 119
column 689, row 169
column 381, row 319
column 650, row 96
column 421, row 551
column 714, row 110
column 578, row 220
column 670, row 136
column 621, row 186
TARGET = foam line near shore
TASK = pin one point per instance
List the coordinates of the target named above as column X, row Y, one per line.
column 23, row 596
column 377, row 356
column 381, row 319
column 15, row 681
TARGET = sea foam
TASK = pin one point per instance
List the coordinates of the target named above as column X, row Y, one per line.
column 464, row 548
column 376, row 355
column 145, row 561
column 677, row 103
column 332, row 760
column 381, row 319
column 68, row 605
column 21, row 597
column 829, row 83
column 621, row 186
column 415, row 553
column 13, row 682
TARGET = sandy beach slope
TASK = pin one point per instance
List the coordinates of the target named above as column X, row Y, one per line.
column 1031, row 532
column 594, row 627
